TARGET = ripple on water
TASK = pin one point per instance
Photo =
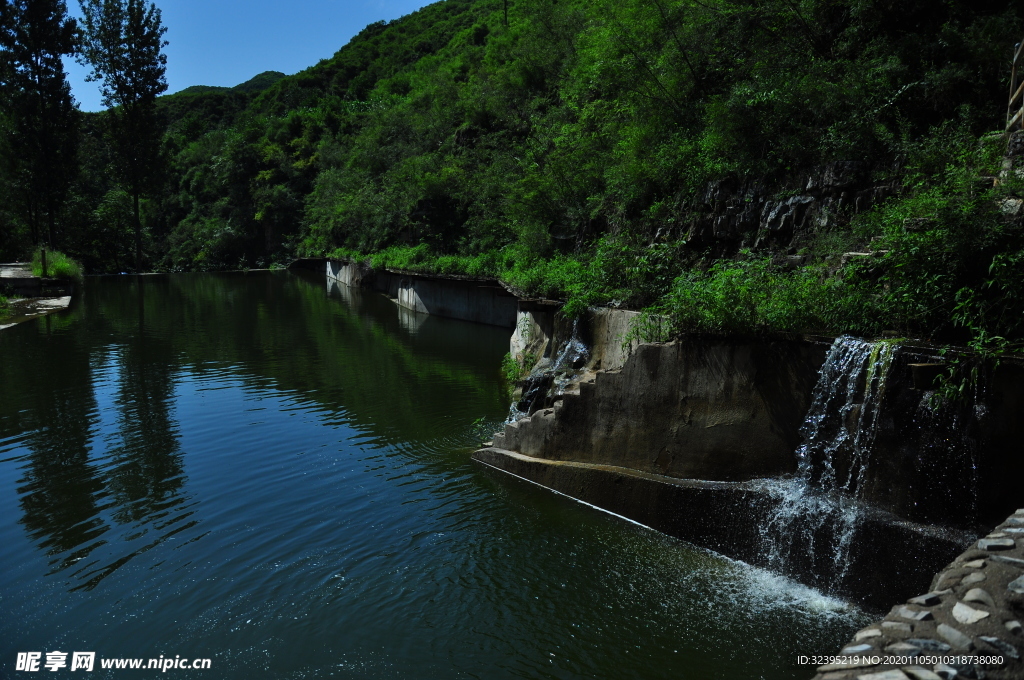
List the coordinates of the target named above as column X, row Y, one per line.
column 292, row 496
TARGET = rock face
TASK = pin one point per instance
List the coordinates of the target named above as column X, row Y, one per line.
column 691, row 409
column 959, row 629
column 731, row 214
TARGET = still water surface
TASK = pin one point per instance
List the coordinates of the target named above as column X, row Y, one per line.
column 275, row 475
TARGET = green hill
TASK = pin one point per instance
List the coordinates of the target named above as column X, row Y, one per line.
column 605, row 151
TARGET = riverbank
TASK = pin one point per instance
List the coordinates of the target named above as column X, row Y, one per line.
column 33, row 296
column 968, row 624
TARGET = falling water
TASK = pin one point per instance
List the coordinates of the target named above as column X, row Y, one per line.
column 551, row 378
column 572, row 355
column 818, row 510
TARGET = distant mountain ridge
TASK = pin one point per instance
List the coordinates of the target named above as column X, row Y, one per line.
column 257, row 83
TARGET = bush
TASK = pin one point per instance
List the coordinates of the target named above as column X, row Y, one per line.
column 752, row 296
column 58, row 266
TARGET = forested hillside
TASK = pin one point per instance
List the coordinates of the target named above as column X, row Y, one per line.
column 570, row 146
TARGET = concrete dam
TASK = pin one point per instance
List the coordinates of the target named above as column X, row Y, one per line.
column 829, row 460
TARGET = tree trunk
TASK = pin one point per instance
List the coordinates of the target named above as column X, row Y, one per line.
column 49, row 227
column 138, row 233
column 32, row 225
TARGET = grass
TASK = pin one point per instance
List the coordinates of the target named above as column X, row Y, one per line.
column 58, row 266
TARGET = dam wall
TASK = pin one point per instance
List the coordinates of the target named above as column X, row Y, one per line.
column 478, row 300
column 827, row 459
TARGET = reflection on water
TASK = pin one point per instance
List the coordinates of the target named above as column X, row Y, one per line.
column 275, row 474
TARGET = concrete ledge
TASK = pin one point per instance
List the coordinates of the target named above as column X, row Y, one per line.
column 17, row 278
column 469, row 299
column 890, row 559
column 31, row 308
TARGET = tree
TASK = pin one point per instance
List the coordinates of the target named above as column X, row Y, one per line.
column 123, row 43
column 41, row 120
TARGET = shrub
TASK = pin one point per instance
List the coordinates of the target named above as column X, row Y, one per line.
column 58, row 266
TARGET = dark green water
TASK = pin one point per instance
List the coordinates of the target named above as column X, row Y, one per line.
column 252, row 469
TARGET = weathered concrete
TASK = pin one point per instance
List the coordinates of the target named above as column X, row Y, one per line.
column 712, row 410
column 973, row 609
column 31, row 308
column 732, row 410
column 890, row 560
column 16, row 278
column 469, row 299
column 540, row 331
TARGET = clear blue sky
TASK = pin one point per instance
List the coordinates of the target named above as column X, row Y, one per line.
column 225, row 42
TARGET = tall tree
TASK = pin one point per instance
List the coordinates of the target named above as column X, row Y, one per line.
column 41, row 120
column 123, row 44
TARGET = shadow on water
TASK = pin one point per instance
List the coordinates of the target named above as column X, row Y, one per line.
column 133, row 337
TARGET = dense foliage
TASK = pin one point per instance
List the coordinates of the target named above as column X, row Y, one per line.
column 37, row 114
column 560, row 146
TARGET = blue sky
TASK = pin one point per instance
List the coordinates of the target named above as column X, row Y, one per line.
column 226, row 42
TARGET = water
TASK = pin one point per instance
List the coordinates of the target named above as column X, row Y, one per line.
column 249, row 469
column 551, row 378
column 818, row 510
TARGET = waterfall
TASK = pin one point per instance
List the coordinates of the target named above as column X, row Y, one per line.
column 842, row 420
column 572, row 355
column 816, row 512
column 550, row 378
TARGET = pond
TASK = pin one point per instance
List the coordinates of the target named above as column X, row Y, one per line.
column 274, row 474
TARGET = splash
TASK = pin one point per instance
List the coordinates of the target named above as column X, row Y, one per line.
column 549, row 379
column 816, row 513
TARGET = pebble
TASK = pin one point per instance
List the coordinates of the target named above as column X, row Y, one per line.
column 897, row 626
column 968, row 615
column 954, row 637
column 1015, row 520
column 926, row 600
column 980, row 596
column 902, row 649
column 919, row 673
column 1004, row 647
column 1017, row 585
column 1012, row 626
column 1009, row 560
column 996, row 544
column 975, row 564
column 972, row 578
column 945, row 672
column 929, row 645
column 867, row 633
column 853, row 650
column 908, row 613
column 996, row 534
